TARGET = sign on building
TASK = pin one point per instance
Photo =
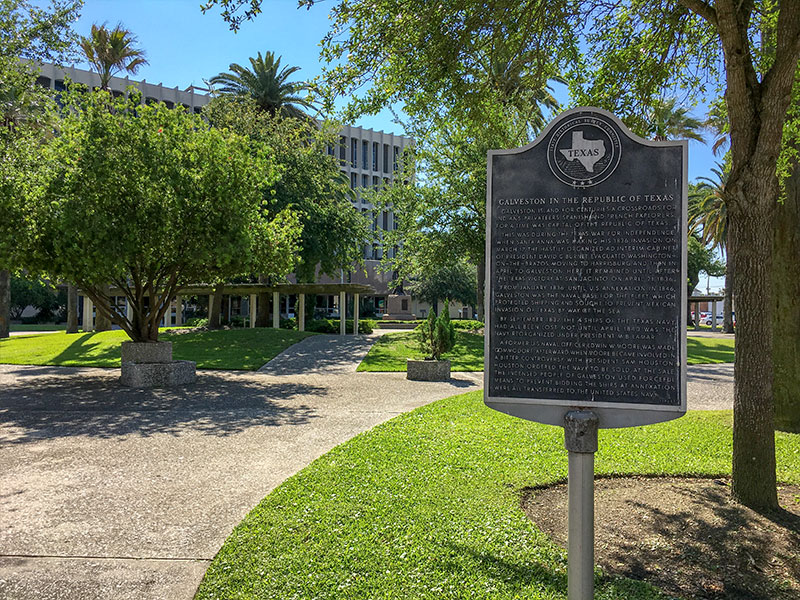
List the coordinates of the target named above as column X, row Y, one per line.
column 586, row 274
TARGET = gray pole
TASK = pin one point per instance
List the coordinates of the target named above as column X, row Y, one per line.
column 580, row 439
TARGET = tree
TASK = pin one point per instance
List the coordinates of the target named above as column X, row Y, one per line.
column 33, row 32
column 668, row 122
column 454, row 281
column 308, row 181
column 182, row 203
column 112, row 51
column 708, row 216
column 27, row 292
column 267, row 84
column 620, row 55
column 436, row 336
column 700, row 259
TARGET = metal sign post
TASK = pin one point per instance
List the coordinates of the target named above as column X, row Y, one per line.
column 586, row 292
column 580, row 439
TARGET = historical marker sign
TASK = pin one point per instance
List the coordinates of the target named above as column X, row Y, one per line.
column 586, row 274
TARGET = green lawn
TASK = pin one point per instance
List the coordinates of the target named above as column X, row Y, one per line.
column 246, row 349
column 392, row 349
column 38, row 327
column 427, row 506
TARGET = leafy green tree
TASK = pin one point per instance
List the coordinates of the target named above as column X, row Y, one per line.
column 110, row 51
column 700, row 259
column 26, row 291
column 31, row 31
column 708, row 217
column 267, row 84
column 182, row 203
column 454, row 281
column 308, row 181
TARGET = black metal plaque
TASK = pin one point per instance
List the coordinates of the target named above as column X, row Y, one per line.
column 586, row 274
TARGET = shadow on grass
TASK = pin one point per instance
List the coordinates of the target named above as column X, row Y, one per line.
column 709, row 350
column 95, row 404
column 82, row 350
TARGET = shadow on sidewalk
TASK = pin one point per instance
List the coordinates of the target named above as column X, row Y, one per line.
column 55, row 404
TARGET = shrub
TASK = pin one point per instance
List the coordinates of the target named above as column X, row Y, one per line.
column 437, row 335
column 332, row 325
column 467, row 324
column 288, row 323
column 196, row 322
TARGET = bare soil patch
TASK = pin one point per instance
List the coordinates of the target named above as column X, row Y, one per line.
column 685, row 536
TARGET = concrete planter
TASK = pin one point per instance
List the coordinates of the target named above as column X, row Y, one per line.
column 150, row 365
column 428, row 370
column 147, row 352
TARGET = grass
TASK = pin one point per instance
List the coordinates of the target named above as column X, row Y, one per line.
column 392, row 349
column 700, row 350
column 427, row 506
column 246, row 349
column 38, row 327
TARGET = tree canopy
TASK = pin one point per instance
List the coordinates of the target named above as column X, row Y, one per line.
column 170, row 201
column 308, row 181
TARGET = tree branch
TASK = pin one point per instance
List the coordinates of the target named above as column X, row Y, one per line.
column 702, row 9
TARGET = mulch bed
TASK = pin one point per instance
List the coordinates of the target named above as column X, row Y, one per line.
column 685, row 536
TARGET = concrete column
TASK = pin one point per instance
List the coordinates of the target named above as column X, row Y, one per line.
column 276, row 310
column 253, row 314
column 355, row 314
column 178, row 310
column 88, row 318
column 301, row 312
column 713, row 315
column 342, row 313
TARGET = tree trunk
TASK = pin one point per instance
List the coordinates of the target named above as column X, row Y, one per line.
column 215, row 307
column 727, row 307
column 750, row 233
column 102, row 322
column 72, row 308
column 5, row 303
column 786, row 303
column 262, row 312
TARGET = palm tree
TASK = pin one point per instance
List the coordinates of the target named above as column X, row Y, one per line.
column 708, row 216
column 267, row 84
column 668, row 122
column 112, row 51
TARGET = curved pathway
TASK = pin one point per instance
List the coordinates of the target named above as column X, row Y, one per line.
column 108, row 492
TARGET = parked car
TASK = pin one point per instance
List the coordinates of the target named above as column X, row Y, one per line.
column 720, row 319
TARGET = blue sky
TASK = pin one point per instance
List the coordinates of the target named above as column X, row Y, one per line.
column 185, row 46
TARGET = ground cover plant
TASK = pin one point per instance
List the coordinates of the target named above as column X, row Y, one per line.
column 427, row 505
column 390, row 352
column 245, row 349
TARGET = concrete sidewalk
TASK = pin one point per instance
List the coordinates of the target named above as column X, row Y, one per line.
column 109, row 492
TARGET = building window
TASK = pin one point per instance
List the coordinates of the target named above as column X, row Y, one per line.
column 43, row 81
column 376, row 181
column 386, row 158
column 386, row 181
column 330, row 149
column 374, row 156
column 354, row 153
column 353, row 181
column 150, row 100
column 386, row 220
column 198, row 110
column 59, row 85
column 343, row 149
column 394, row 158
column 365, row 155
column 169, row 104
column 365, row 181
